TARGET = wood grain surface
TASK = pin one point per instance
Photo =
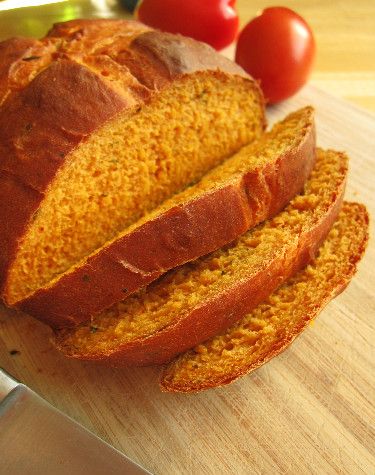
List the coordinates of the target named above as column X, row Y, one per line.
column 310, row 410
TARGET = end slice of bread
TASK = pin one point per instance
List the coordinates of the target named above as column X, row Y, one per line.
column 200, row 299
column 272, row 326
column 246, row 189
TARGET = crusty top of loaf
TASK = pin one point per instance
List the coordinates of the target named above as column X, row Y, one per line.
column 57, row 91
column 173, row 54
column 20, row 61
column 90, row 70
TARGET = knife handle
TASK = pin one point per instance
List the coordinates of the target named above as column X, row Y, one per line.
column 7, row 384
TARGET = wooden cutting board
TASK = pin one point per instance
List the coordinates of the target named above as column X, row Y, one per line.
column 310, row 410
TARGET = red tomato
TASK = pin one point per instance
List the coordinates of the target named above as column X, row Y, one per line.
column 213, row 21
column 278, row 48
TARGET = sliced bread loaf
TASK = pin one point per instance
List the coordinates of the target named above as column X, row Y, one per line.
column 246, row 189
column 200, row 299
column 100, row 122
column 274, row 324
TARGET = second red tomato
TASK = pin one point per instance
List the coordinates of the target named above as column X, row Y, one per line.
column 278, row 48
column 213, row 21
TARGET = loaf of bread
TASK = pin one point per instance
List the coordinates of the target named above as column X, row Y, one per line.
column 100, row 122
column 275, row 323
column 200, row 299
column 249, row 187
column 126, row 153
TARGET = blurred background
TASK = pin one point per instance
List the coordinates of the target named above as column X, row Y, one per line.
column 344, row 32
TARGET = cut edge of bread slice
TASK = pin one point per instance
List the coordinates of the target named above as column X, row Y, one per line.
column 271, row 327
column 196, row 301
column 249, row 187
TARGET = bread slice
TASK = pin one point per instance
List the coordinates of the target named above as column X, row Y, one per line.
column 274, row 324
column 200, row 299
column 100, row 122
column 246, row 189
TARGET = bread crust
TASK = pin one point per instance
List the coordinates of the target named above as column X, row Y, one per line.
column 20, row 61
column 179, row 235
column 182, row 55
column 283, row 344
column 55, row 97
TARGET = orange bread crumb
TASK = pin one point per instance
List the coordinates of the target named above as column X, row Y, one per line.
column 251, row 186
column 197, row 300
column 274, row 324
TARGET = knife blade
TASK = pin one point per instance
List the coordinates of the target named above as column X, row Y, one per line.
column 36, row 438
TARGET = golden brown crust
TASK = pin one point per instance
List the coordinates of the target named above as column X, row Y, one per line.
column 50, row 107
column 174, row 55
column 282, row 344
column 179, row 235
column 20, row 60
column 89, row 35
column 38, row 136
column 181, row 55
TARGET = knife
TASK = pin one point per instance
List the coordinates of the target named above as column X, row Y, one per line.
column 36, row 438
